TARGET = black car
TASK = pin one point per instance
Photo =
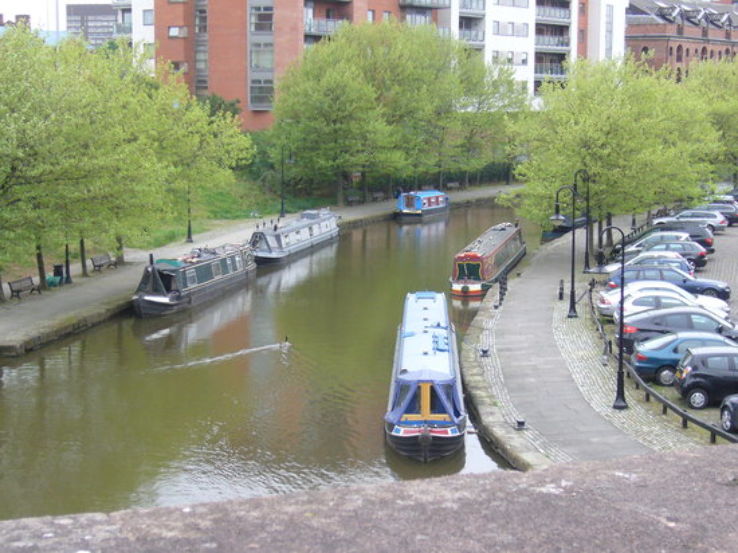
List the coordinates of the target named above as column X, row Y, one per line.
column 706, row 375
column 706, row 286
column 648, row 324
column 691, row 251
column 729, row 413
column 697, row 233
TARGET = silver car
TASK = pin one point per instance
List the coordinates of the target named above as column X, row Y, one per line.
column 644, row 259
column 661, row 299
column 609, row 300
column 714, row 220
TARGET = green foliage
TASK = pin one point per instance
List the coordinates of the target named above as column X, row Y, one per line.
column 215, row 104
column 641, row 137
column 388, row 101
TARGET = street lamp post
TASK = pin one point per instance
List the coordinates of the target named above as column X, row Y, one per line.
column 620, row 402
column 189, row 215
column 281, row 193
column 558, row 219
column 582, row 173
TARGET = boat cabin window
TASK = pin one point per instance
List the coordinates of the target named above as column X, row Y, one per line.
column 229, row 262
column 426, row 405
column 409, row 202
column 217, row 269
column 191, row 277
column 239, row 262
column 402, row 393
column 470, row 271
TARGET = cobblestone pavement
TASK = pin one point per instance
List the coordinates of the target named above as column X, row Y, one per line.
column 538, row 357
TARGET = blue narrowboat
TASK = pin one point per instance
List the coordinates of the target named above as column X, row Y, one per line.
column 425, row 418
column 419, row 205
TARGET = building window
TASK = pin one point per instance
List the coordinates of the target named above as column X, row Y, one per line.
column 177, row 1
column 523, row 59
column 513, row 3
column 262, row 55
column 262, row 19
column 370, row 16
column 521, row 29
column 261, row 92
column 148, row 17
column 177, row 32
column 201, row 21
column 679, row 53
column 686, row 53
column 509, row 57
column 495, row 27
column 386, row 15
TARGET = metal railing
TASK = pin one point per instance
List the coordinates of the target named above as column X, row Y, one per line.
column 553, row 69
column 666, row 404
column 472, row 5
column 322, row 26
column 471, row 36
column 122, row 29
column 550, row 12
column 426, row 3
column 553, row 40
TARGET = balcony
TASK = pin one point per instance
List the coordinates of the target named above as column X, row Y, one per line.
column 322, row 27
column 118, row 4
column 122, row 29
column 472, row 8
column 549, row 70
column 474, row 38
column 425, row 4
column 552, row 43
column 550, row 14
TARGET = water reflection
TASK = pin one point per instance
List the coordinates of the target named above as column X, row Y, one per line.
column 197, row 408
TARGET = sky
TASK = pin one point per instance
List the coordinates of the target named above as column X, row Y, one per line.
column 42, row 12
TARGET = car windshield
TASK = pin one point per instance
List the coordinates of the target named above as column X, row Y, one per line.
column 658, row 342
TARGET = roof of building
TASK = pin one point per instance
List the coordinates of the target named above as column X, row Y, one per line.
column 642, row 12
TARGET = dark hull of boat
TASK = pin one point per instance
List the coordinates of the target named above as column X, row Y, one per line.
column 425, row 447
column 144, row 307
column 425, row 215
column 309, row 248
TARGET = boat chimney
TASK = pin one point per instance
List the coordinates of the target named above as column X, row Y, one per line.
column 151, row 258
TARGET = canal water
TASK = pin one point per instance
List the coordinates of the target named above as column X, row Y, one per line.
column 213, row 405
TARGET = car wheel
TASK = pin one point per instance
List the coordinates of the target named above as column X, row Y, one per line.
column 711, row 228
column 665, row 375
column 726, row 420
column 710, row 292
column 697, row 398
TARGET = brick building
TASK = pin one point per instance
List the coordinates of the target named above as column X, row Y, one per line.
column 677, row 34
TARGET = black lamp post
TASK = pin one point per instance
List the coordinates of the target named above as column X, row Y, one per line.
column 189, row 215
column 558, row 219
column 582, row 173
column 620, row 402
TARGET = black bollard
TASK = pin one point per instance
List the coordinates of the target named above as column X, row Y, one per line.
column 561, row 289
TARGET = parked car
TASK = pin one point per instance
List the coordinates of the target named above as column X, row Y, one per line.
column 660, row 299
column 649, row 324
column 707, row 375
column 712, row 219
column 729, row 413
column 697, row 233
column 609, row 300
column 645, row 257
column 691, row 251
column 729, row 211
column 656, row 359
column 649, row 240
column 708, row 287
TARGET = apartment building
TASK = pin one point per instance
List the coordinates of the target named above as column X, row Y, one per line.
column 239, row 48
column 677, row 34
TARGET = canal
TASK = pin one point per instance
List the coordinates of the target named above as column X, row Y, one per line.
column 211, row 405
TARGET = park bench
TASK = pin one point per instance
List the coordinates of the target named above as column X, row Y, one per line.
column 21, row 285
column 452, row 186
column 378, row 196
column 353, row 199
column 99, row 262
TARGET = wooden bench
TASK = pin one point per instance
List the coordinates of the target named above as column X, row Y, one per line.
column 452, row 186
column 353, row 199
column 21, row 285
column 378, row 196
column 99, row 262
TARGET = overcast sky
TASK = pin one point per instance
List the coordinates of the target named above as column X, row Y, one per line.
column 42, row 12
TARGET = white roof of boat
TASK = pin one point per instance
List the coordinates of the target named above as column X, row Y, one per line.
column 425, row 338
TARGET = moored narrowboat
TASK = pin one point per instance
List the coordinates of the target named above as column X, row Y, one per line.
column 313, row 228
column 172, row 285
column 425, row 418
column 420, row 205
column 481, row 263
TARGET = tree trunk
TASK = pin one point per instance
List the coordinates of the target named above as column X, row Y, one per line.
column 68, row 272
column 41, row 267
column 3, row 299
column 599, row 233
column 466, row 179
column 364, row 188
column 608, row 243
column 119, row 250
column 83, row 257
column 339, row 193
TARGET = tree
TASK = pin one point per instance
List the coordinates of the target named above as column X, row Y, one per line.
column 639, row 135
